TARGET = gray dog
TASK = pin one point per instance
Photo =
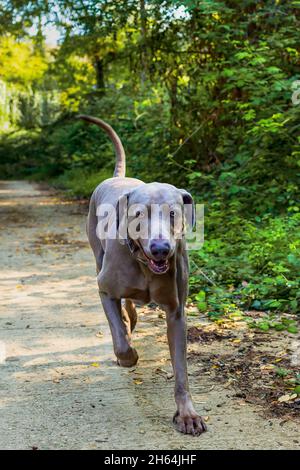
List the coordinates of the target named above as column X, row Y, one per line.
column 144, row 269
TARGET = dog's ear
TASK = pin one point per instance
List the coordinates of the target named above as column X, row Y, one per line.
column 121, row 218
column 189, row 207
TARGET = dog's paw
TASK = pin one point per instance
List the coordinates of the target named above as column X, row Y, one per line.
column 189, row 423
column 128, row 359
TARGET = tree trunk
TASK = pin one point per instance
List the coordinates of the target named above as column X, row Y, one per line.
column 172, row 90
column 144, row 58
column 99, row 69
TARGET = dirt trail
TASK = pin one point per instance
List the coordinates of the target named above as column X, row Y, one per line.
column 60, row 386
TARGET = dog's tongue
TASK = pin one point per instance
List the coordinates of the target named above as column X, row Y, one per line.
column 159, row 267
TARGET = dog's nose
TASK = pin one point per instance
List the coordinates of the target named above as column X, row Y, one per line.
column 160, row 249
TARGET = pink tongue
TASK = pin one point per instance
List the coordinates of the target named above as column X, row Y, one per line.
column 158, row 267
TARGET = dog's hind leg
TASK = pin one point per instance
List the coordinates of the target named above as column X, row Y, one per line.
column 126, row 354
column 130, row 309
column 91, row 230
column 126, row 318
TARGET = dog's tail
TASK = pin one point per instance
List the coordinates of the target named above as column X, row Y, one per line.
column 120, row 167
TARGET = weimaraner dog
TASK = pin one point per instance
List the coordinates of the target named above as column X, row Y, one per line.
column 141, row 270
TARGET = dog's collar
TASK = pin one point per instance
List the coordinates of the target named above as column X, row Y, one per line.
column 133, row 247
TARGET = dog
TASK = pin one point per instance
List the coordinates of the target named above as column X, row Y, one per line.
column 144, row 269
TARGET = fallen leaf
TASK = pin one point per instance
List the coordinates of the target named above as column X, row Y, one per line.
column 286, row 398
column 95, row 364
column 267, row 367
column 139, row 382
column 158, row 370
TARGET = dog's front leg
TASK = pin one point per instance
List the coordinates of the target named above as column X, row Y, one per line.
column 186, row 419
column 126, row 354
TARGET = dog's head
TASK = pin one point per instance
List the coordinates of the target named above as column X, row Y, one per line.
column 153, row 218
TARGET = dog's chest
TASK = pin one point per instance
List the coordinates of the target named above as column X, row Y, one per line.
column 132, row 280
column 161, row 289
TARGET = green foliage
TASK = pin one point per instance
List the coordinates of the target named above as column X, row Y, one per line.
column 20, row 63
column 290, row 378
column 79, row 182
column 281, row 372
column 273, row 321
column 254, row 263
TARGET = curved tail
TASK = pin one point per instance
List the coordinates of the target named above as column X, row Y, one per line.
column 120, row 167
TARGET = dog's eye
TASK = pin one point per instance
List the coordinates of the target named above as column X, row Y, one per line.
column 172, row 214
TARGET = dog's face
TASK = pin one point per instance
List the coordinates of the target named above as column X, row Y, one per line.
column 156, row 216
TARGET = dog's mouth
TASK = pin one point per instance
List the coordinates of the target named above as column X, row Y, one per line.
column 157, row 267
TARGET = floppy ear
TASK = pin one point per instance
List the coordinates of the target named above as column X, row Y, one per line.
column 189, row 207
column 121, row 218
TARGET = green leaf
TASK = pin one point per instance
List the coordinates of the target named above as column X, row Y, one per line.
column 202, row 306
column 292, row 329
column 201, row 295
column 297, row 389
column 263, row 326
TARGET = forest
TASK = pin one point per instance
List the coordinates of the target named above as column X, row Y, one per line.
column 204, row 95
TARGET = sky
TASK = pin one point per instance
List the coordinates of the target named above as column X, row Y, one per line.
column 52, row 34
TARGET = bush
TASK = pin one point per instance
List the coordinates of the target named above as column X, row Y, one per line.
column 81, row 183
